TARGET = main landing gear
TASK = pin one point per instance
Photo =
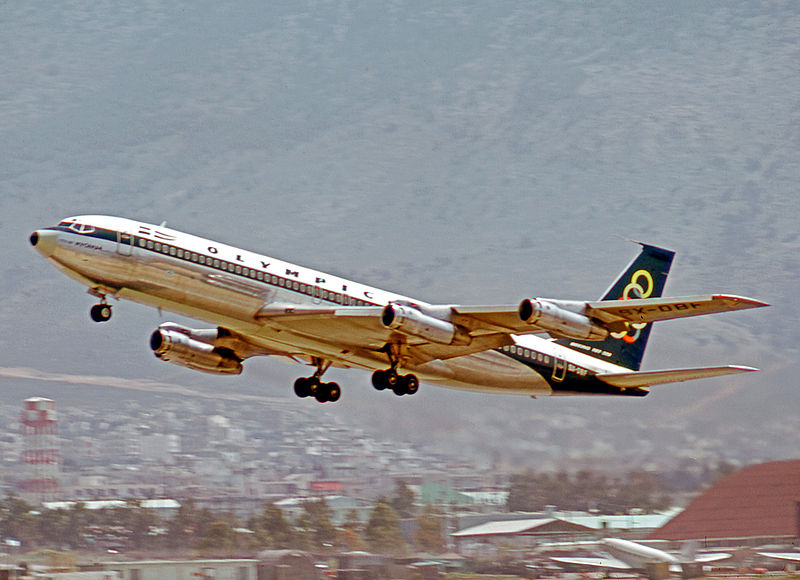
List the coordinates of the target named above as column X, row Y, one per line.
column 399, row 384
column 313, row 387
column 390, row 379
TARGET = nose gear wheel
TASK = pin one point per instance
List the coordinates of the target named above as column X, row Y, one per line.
column 100, row 312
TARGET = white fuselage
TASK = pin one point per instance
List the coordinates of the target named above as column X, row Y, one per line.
column 637, row 556
column 231, row 287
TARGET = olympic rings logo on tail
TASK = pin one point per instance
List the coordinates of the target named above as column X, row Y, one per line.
column 640, row 286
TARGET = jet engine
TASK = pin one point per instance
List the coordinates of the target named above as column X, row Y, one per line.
column 560, row 322
column 194, row 349
column 413, row 322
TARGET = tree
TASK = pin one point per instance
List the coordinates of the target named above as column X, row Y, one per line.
column 141, row 521
column 383, row 530
column 181, row 528
column 350, row 533
column 219, row 536
column 430, row 533
column 403, row 500
column 322, row 531
column 273, row 527
column 16, row 519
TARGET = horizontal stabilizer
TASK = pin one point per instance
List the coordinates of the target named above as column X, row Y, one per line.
column 650, row 378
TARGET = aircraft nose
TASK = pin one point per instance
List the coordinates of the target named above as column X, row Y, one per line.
column 44, row 241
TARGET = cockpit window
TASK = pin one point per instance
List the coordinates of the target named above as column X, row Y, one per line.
column 83, row 228
column 76, row 227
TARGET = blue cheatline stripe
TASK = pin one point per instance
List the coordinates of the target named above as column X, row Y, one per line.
column 209, row 261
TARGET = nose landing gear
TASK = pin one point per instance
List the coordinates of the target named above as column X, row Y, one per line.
column 100, row 312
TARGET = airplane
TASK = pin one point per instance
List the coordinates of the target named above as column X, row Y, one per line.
column 789, row 556
column 628, row 555
column 260, row 305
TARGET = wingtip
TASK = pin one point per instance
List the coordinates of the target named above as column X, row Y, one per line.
column 742, row 301
column 744, row 369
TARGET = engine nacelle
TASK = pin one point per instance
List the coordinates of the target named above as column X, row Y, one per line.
column 411, row 321
column 193, row 349
column 559, row 321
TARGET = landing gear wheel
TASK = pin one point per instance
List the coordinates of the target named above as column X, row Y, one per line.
column 406, row 385
column 302, row 387
column 334, row 392
column 379, row 380
column 100, row 312
column 412, row 384
column 314, row 387
column 388, row 379
column 328, row 393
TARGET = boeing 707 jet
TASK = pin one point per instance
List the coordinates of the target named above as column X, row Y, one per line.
column 259, row 305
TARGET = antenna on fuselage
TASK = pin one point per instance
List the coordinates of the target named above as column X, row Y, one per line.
column 163, row 224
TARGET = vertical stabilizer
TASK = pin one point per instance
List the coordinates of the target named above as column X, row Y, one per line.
column 643, row 278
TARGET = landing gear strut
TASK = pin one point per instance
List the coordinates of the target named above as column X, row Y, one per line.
column 390, row 379
column 313, row 387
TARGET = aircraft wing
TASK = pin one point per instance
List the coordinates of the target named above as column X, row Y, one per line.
column 608, row 562
column 655, row 309
column 361, row 327
column 711, row 557
column 481, row 328
column 611, row 314
column 791, row 556
column 636, row 379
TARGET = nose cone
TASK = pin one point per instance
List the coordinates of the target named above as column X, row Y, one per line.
column 44, row 241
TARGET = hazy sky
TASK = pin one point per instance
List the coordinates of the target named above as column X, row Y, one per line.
column 459, row 152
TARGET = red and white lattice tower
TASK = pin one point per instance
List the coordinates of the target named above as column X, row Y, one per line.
column 39, row 429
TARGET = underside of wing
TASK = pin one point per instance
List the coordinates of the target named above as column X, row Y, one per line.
column 344, row 325
column 364, row 328
column 650, row 378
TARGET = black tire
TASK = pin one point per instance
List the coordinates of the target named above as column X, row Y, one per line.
column 302, row 387
column 411, row 384
column 322, row 393
column 100, row 312
column 334, row 392
column 379, row 380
